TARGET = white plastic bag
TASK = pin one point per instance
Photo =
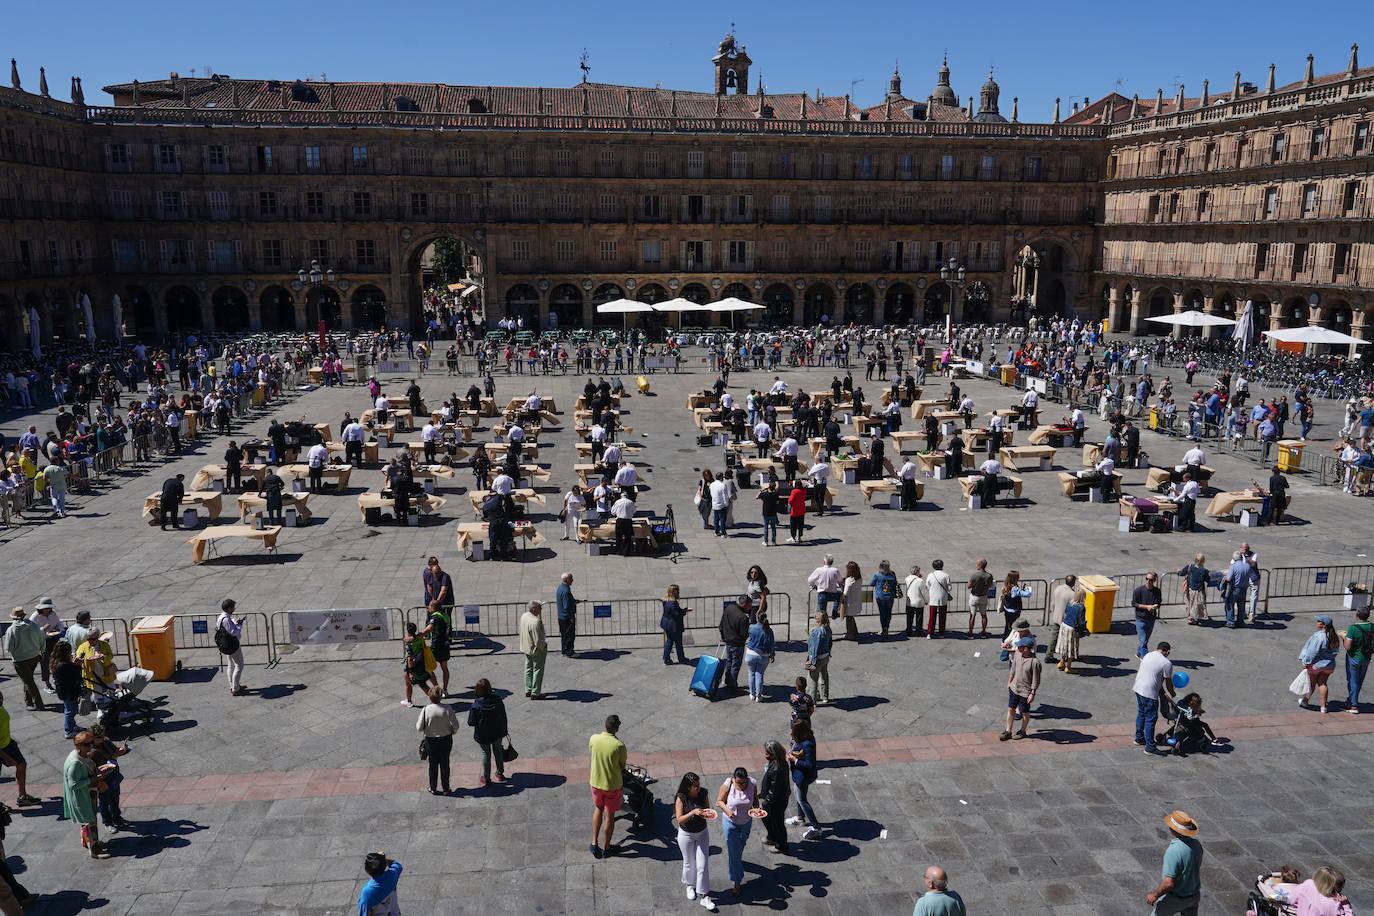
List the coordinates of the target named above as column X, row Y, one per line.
column 1301, row 685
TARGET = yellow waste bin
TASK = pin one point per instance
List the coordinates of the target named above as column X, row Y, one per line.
column 1154, row 418
column 1008, row 375
column 259, row 396
column 155, row 646
column 1100, row 596
column 1290, row 454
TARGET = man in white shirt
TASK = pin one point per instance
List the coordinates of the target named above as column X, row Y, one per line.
column 763, row 433
column 788, row 453
column 430, row 436
column 1155, row 673
column 828, row 582
column 996, row 426
column 623, row 511
column 316, row 459
column 1185, row 495
column 1080, row 423
column 533, row 404
column 381, row 406
column 627, row 478
column 727, row 401
column 516, row 435
column 353, row 437
column 939, row 589
column 503, row 484
column 1101, row 474
column 598, row 437
column 612, row 457
column 989, row 469
column 779, row 387
column 966, row 408
column 1195, row 457
column 907, row 475
column 720, row 506
column 1029, row 402
column 820, row 481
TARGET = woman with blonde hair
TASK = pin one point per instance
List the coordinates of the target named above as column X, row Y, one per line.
column 1066, row 646
column 852, row 592
column 1323, row 894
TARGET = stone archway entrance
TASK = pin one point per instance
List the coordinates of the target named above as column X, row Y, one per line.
column 433, row 261
column 183, row 309
column 369, row 308
column 230, row 309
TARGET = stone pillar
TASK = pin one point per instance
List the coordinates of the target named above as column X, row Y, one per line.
column 254, row 314
column 1177, row 332
column 1116, row 312
column 1137, row 314
column 1209, row 307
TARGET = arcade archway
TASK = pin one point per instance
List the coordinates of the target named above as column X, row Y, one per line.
column 230, row 309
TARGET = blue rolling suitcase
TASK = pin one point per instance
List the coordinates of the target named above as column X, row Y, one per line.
column 706, row 679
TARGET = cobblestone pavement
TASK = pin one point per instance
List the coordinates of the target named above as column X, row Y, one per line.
column 266, row 803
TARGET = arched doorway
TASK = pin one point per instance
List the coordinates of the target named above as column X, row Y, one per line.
column 1161, row 302
column 565, row 306
column 62, row 315
column 651, row 293
column 139, row 314
column 231, row 309
column 899, row 304
column 858, row 304
column 977, row 303
column 1294, row 313
column 1224, row 304
column 369, row 308
column 322, row 303
column 819, row 304
column 432, row 264
column 1341, row 315
column 278, row 309
column 695, row 292
column 522, row 301
column 1043, row 277
column 444, row 260
column 778, row 300
column 183, row 309
column 1260, row 311
column 935, row 305
column 12, row 325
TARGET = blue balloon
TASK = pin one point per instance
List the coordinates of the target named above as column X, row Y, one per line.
column 1180, row 679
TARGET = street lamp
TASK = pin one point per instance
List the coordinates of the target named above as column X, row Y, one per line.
column 955, row 275
column 317, row 277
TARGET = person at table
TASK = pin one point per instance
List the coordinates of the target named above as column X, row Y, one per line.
column 315, row 460
column 481, row 468
column 380, row 407
column 498, row 512
column 627, row 478
column 1029, row 402
column 788, row 453
column 598, row 437
column 504, row 484
column 1278, row 496
column 1194, row 457
column 819, row 475
column 233, row 468
column 932, row 427
column 1101, row 475
column 996, row 426
column 612, row 457
column 1079, row 424
column 417, row 406
column 1111, row 448
column 763, row 435
column 271, row 489
column 623, row 511
column 430, row 436
column 966, row 408
column 169, row 502
column 832, row 436
column 353, row 437
column 277, row 434
column 1130, row 444
column 474, row 397
column 954, row 459
column 1185, row 495
column 892, row 414
column 611, row 420
column 988, row 486
column 907, row 475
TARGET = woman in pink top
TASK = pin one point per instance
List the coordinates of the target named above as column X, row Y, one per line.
column 1322, row 894
column 736, row 797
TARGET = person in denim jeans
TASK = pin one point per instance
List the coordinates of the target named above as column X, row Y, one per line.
column 758, row 652
column 1155, row 674
column 66, row 675
column 827, row 581
column 1358, row 641
column 818, row 644
column 1237, row 582
column 1146, row 599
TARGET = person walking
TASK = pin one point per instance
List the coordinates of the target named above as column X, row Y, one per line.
column 720, row 505
column 938, row 899
column 1146, row 599
column 818, row 643
column 768, row 498
column 232, row 641
column 758, row 652
column 608, row 755
column 487, row 719
column 796, row 515
column 1358, row 640
column 1180, row 887
column 105, row 756
column 1155, row 674
column 1012, row 596
column 437, row 724
column 703, row 496
column 1318, row 657
column 1060, row 596
column 80, row 785
column 673, row 623
column 939, row 589
column 24, row 643
column 419, row 663
column 1195, row 577
column 378, row 896
column 1072, row 621
column 534, row 645
column 47, row 620
column 774, row 793
column 736, row 797
column 567, row 614
column 691, row 806
column 1022, row 684
column 734, row 633
column 574, row 509
column 439, row 627
column 12, row 756
column 802, row 756
column 66, row 675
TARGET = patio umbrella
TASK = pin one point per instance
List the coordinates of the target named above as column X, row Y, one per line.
column 34, row 333
column 1311, row 335
column 1245, row 325
column 623, row 307
column 1192, row 319
column 679, row 305
column 732, row 304
column 118, row 309
column 90, row 318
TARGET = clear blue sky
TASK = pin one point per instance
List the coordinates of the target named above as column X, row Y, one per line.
column 1041, row 51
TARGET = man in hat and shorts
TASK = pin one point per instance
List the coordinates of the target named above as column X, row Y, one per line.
column 1181, row 887
column 1022, row 684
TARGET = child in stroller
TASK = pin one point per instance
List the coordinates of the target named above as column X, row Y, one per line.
column 635, row 782
column 1187, row 730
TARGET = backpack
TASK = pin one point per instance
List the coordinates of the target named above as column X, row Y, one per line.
column 1366, row 644
column 226, row 642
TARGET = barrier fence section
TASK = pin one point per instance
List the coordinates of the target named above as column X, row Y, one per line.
column 959, row 603
column 1287, row 583
column 602, row 618
column 116, row 626
column 197, row 631
column 284, row 642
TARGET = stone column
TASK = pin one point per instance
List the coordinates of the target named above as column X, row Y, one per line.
column 1116, row 312
column 254, row 314
column 1177, row 332
column 1209, row 307
column 1137, row 314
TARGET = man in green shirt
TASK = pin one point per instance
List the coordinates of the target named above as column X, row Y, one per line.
column 608, row 760
column 1359, row 645
column 938, row 899
column 24, row 642
column 1181, row 887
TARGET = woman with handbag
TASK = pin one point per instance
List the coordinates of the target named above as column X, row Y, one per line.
column 775, row 792
column 852, row 592
column 1318, row 657
column 803, row 759
column 419, row 663
column 1195, row 578
column 437, row 724
column 487, row 719
column 673, row 622
column 702, row 499
column 818, row 643
column 691, row 808
column 80, row 785
column 1072, row 628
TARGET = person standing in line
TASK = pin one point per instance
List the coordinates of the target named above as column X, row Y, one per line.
column 1071, row 619
column 884, row 584
column 608, row 755
column 736, row 797
column 80, row 785
column 802, row 756
column 1195, row 577
column 796, row 513
column 1155, row 674
column 1318, row 657
column 24, row 642
column 1060, row 597
column 690, row 807
column 47, row 621
column 938, row 899
column 55, row 475
column 734, row 632
column 853, row 592
column 438, row 627
column 233, row 628
column 1358, row 640
column 437, row 724
column 487, row 719
column 1013, row 594
column 66, row 675
column 758, row 652
column 1234, row 586
column 980, row 589
column 1180, row 888
column 914, row 588
column 1022, row 684
column 768, row 498
column 818, row 643
column 774, row 793
column 673, row 623
column 534, row 645
column 378, row 896
column 720, row 505
column 828, row 584
column 939, row 589
column 1146, row 599
column 567, row 614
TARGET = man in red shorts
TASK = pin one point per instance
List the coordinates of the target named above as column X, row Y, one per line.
column 608, row 760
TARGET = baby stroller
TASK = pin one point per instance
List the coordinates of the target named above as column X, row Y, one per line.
column 639, row 799
column 1186, row 731
column 1271, row 894
column 117, row 705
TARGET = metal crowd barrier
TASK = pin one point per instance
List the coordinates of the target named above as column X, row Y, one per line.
column 1289, row 582
column 116, row 626
column 197, row 631
column 283, row 638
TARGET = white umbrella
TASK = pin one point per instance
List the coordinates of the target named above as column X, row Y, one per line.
column 732, row 304
column 34, row 333
column 90, row 318
column 623, row 307
column 679, row 305
column 118, row 311
column 1192, row 319
column 1245, row 325
column 1312, row 335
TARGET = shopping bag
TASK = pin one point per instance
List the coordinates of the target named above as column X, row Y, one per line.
column 1301, row 685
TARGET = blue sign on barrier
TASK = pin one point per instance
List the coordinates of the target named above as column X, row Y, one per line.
column 601, row 610
column 200, row 626
column 1322, row 577
column 472, row 613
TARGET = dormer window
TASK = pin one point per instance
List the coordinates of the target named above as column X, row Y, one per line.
column 402, row 103
column 302, row 92
column 476, row 106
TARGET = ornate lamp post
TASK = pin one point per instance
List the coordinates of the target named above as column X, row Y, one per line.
column 955, row 275
column 316, row 277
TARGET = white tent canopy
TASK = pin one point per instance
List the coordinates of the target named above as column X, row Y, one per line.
column 1313, row 335
column 623, row 307
column 1192, row 319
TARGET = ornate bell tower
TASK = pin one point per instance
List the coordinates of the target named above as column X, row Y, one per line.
column 732, row 68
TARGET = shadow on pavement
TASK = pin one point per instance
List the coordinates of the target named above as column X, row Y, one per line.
column 602, row 655
column 68, row 903
column 279, row 691
column 850, row 704
column 576, row 696
column 1061, row 736
column 1047, row 711
column 152, row 837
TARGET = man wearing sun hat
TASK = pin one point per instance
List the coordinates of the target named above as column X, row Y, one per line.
column 1181, row 886
column 24, row 643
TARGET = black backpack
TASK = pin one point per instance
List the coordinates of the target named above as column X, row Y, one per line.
column 226, row 642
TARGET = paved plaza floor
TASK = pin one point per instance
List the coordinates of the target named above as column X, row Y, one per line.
column 267, row 803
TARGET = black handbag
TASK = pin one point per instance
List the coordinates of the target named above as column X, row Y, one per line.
column 424, row 749
column 508, row 751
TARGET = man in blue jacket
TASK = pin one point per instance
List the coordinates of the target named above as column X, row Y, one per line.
column 567, row 614
column 378, row 896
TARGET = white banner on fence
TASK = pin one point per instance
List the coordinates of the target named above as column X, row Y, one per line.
column 353, row 625
column 395, row 367
column 974, row 367
column 1036, row 383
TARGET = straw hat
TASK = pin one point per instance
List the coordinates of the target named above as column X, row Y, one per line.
column 1179, row 822
column 17, row 613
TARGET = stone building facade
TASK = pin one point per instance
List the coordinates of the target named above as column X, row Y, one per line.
column 197, row 201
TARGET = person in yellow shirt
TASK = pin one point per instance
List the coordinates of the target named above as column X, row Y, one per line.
column 608, row 761
column 29, row 466
column 96, row 659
